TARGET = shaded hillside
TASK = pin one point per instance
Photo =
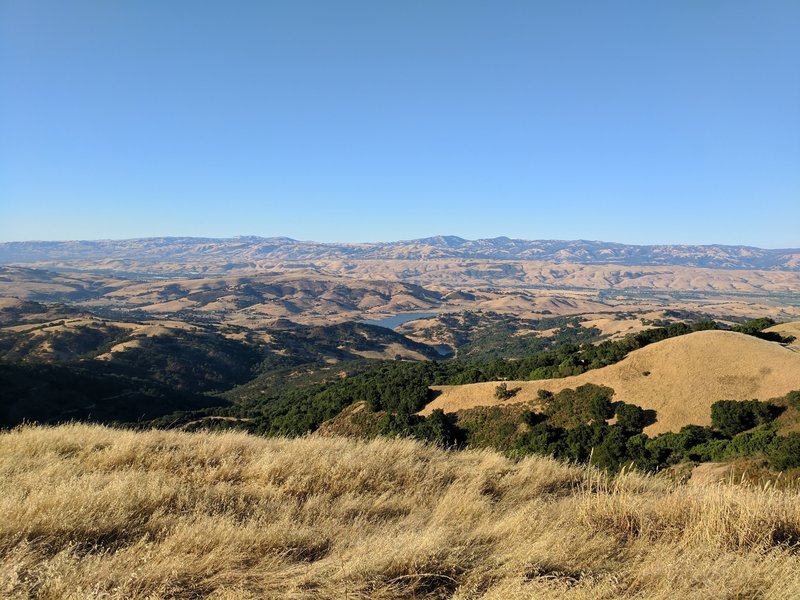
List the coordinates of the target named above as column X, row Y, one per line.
column 485, row 335
column 188, row 355
column 283, row 294
column 344, row 341
column 66, row 369
column 58, row 393
column 680, row 378
column 788, row 330
column 50, row 286
column 14, row 311
column 171, row 353
column 173, row 515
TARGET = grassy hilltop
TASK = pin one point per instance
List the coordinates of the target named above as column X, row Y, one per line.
column 94, row 512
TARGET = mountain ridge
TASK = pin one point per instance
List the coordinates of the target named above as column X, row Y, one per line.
column 254, row 248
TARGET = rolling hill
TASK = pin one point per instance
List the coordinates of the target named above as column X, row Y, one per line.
column 680, row 378
column 252, row 249
column 789, row 330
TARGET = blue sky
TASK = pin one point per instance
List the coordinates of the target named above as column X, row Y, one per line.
column 638, row 122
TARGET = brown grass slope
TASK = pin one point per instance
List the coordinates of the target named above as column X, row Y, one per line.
column 680, row 378
column 790, row 330
column 91, row 512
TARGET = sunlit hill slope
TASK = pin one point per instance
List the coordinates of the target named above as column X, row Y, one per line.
column 680, row 378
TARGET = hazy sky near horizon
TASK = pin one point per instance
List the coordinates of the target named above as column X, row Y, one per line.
column 637, row 122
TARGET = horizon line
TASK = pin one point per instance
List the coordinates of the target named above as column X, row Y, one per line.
column 289, row 239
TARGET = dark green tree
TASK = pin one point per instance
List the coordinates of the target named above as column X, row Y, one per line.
column 631, row 417
column 733, row 416
column 786, row 452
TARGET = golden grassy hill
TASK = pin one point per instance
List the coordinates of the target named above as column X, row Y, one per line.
column 791, row 329
column 680, row 378
column 92, row 512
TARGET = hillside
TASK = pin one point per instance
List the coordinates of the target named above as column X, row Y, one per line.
column 95, row 512
column 789, row 330
column 114, row 254
column 680, row 378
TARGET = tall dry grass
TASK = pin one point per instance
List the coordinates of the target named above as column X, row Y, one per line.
column 92, row 512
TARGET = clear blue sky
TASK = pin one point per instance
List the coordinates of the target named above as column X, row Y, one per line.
column 640, row 122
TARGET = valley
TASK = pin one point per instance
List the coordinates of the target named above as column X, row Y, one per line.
column 444, row 339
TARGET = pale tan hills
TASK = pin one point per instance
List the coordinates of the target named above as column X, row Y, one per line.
column 614, row 326
column 680, row 378
column 325, row 293
column 25, row 284
column 251, row 252
column 74, row 338
column 303, row 296
column 569, row 275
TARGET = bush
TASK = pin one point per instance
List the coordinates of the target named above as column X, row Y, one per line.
column 754, row 326
column 670, row 448
column 501, row 392
column 542, row 439
column 751, row 443
column 600, row 408
column 638, row 454
column 612, row 451
column 710, row 450
column 732, row 416
column 785, row 453
column 631, row 417
column 439, row 428
column 531, row 418
column 581, row 439
column 586, row 403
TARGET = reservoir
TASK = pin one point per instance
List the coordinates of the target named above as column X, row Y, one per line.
column 394, row 321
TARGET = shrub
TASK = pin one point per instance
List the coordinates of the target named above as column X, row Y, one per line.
column 600, row 408
column 631, row 417
column 584, row 404
column 581, row 439
column 785, row 453
column 732, row 416
column 501, row 392
column 754, row 326
column 710, row 450
column 543, row 439
column 638, row 454
column 705, row 325
column 438, row 428
column 531, row 418
column 612, row 451
column 750, row 443
column 670, row 448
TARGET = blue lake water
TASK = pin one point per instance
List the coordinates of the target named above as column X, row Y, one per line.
column 394, row 321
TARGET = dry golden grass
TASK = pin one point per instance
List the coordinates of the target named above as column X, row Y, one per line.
column 791, row 329
column 680, row 378
column 91, row 512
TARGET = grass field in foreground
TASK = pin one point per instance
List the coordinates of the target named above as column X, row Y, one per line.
column 93, row 512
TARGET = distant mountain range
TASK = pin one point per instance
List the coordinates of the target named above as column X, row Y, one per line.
column 257, row 249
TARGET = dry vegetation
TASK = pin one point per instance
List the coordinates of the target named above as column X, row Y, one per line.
column 91, row 512
column 680, row 378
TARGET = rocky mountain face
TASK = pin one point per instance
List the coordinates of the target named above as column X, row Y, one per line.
column 242, row 251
